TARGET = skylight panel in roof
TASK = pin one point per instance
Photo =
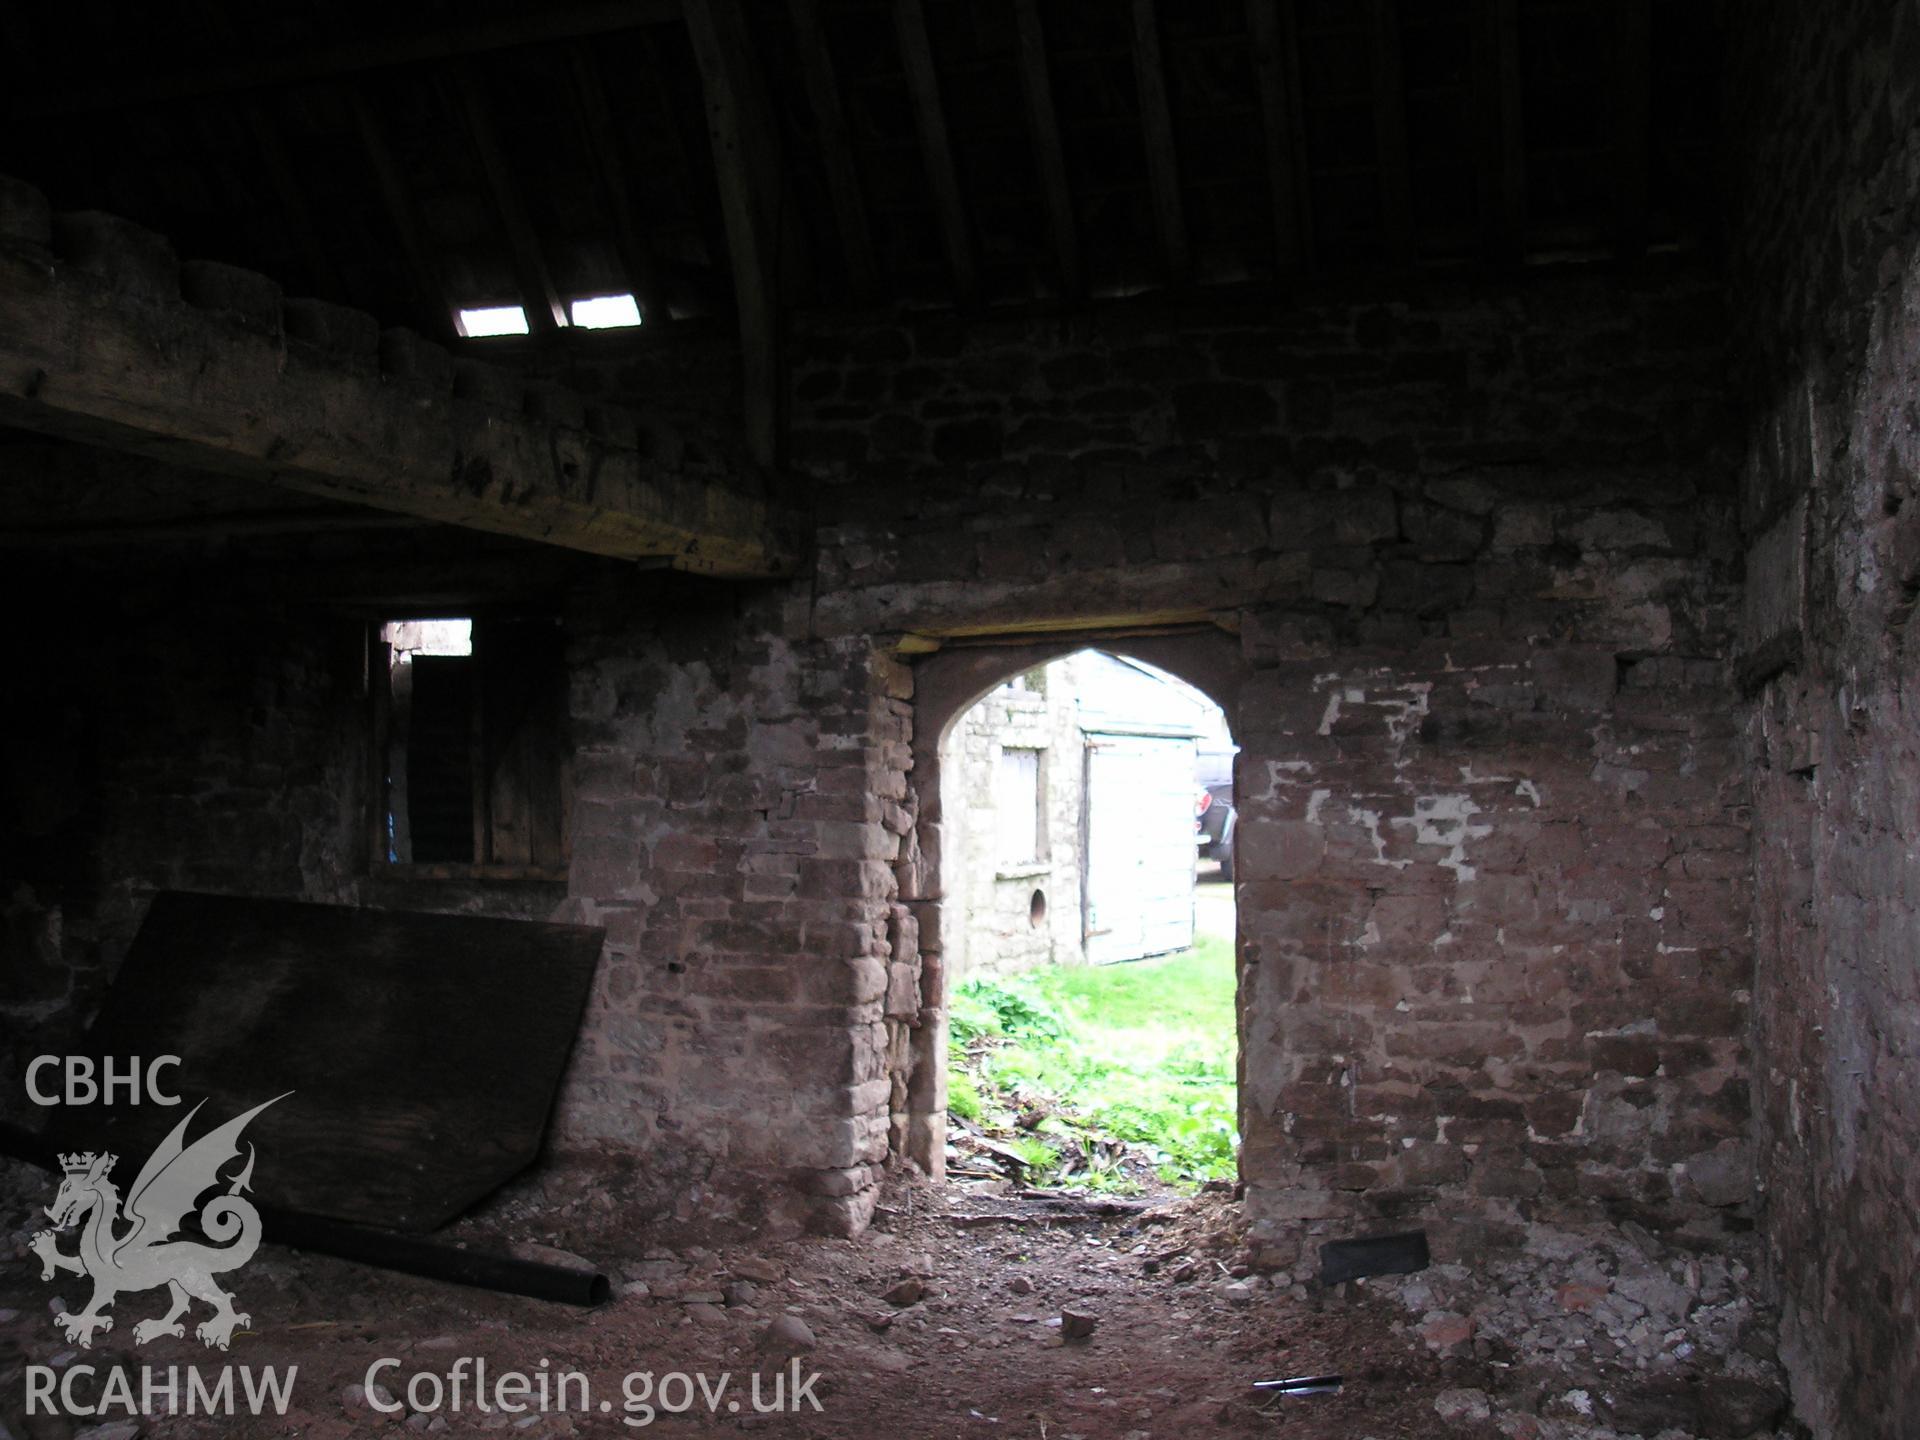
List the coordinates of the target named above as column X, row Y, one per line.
column 494, row 320
column 606, row 312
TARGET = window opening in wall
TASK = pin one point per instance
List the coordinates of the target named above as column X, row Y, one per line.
column 1018, row 802
column 469, row 740
column 1086, row 933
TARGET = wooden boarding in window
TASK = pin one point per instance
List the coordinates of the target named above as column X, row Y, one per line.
column 523, row 711
column 424, row 1051
column 471, row 755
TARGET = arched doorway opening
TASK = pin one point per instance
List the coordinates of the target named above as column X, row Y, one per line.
column 1100, row 807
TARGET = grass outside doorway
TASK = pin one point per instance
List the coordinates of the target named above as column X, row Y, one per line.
column 1099, row 1077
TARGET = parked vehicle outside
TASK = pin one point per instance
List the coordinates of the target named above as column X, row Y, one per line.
column 1214, row 820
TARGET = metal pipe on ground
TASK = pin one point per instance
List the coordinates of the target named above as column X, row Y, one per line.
column 410, row 1254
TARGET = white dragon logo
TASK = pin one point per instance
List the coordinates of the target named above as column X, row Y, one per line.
column 145, row 1256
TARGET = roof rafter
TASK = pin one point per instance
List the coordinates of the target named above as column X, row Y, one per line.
column 1049, row 156
column 397, row 196
column 545, row 309
column 536, row 26
column 604, row 147
column 1156, row 123
column 836, row 148
column 1390, row 130
column 278, row 166
column 1276, row 65
column 936, row 147
column 746, row 156
column 1633, row 44
column 1503, row 157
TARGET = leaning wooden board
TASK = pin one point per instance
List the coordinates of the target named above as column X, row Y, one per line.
column 423, row 1051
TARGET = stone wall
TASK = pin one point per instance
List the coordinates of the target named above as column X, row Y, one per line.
column 1461, row 568
column 1828, row 279
column 739, row 801
column 200, row 720
column 995, row 930
column 160, row 735
column 1476, row 555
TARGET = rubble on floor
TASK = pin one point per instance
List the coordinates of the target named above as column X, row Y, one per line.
column 1603, row 1332
column 1096, row 1321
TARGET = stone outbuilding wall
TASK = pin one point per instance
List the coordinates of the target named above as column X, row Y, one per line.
column 1018, row 913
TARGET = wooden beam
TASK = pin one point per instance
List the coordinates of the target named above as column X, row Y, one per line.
column 1502, row 139
column 546, row 309
column 1633, row 91
column 936, row 148
column 746, row 158
column 236, row 526
column 1390, row 131
column 533, row 25
column 292, row 196
column 160, row 378
column 1156, row 124
column 1276, row 67
column 397, row 195
column 604, row 148
column 836, row 148
column 1049, row 156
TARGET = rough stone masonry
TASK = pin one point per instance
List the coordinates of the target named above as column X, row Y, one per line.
column 1571, row 675
column 1461, row 568
column 1478, row 563
column 1828, row 271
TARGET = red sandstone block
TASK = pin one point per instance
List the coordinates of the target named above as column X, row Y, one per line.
column 1279, row 849
column 1307, row 1031
column 1467, row 1043
column 844, row 878
column 1426, row 1163
column 1335, row 1133
column 1349, row 1171
column 903, row 992
column 681, row 885
column 686, row 781
column 843, row 811
column 1631, row 1055
column 1408, row 1099
column 1368, row 985
column 746, row 934
column 1627, row 846
column 1307, row 914
column 1310, row 1099
column 682, row 851
column 1405, row 920
column 754, row 983
column 1445, row 1331
column 1577, row 1298
column 1705, row 1012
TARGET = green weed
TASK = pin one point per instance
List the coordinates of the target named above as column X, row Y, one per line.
column 1093, row 1064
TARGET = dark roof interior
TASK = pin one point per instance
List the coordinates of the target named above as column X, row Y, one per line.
column 407, row 160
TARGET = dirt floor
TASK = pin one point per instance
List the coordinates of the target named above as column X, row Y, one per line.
column 970, row 1343
column 947, row 1319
